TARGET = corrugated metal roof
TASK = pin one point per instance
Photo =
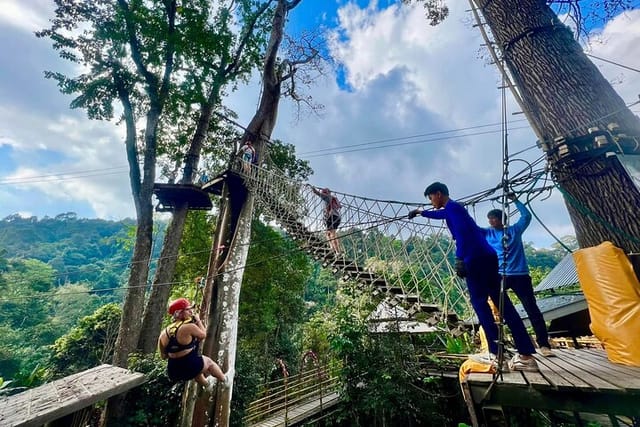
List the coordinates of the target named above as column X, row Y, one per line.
column 564, row 274
column 552, row 307
column 555, row 307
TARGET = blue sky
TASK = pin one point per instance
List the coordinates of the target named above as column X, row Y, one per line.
column 396, row 77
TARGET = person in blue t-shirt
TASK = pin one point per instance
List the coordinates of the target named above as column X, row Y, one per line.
column 514, row 267
column 477, row 262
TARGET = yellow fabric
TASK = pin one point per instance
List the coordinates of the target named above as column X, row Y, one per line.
column 484, row 344
column 613, row 295
column 470, row 367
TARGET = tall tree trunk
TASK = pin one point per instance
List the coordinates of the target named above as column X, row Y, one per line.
column 156, row 305
column 566, row 95
column 226, row 281
column 160, row 292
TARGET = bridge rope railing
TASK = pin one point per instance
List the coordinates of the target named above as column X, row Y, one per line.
column 410, row 262
column 281, row 396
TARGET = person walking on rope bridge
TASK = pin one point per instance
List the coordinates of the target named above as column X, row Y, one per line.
column 332, row 216
column 477, row 262
column 514, row 268
column 247, row 156
column 180, row 342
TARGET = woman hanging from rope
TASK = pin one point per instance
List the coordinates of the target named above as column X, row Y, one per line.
column 180, row 342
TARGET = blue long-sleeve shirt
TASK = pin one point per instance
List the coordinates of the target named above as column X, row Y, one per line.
column 516, row 262
column 470, row 239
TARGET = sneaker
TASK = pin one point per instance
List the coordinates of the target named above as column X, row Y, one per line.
column 484, row 358
column 546, row 352
column 211, row 383
column 228, row 378
column 519, row 364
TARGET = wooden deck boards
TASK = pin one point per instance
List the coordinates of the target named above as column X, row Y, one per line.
column 581, row 380
column 301, row 412
column 65, row 396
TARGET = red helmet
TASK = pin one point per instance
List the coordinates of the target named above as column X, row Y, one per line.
column 179, row 304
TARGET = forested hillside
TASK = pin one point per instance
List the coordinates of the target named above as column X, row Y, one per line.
column 93, row 251
column 50, row 272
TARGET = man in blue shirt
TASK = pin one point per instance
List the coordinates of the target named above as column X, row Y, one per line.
column 514, row 267
column 477, row 262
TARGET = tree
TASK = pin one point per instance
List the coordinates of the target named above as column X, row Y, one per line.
column 574, row 100
column 228, row 267
column 131, row 49
column 88, row 344
column 220, row 58
column 575, row 112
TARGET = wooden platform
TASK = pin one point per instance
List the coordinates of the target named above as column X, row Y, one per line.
column 170, row 196
column 576, row 380
column 65, row 396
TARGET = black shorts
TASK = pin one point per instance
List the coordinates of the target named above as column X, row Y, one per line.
column 185, row 368
column 332, row 222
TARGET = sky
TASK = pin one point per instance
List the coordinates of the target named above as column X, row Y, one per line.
column 396, row 78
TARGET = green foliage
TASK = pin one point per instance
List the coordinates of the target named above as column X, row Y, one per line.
column 459, row 345
column 320, row 290
column 195, row 250
column 381, row 378
column 4, row 386
column 271, row 304
column 88, row 344
column 249, row 376
column 284, row 157
column 157, row 402
column 78, row 249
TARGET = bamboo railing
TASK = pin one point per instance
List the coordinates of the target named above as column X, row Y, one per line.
column 280, row 396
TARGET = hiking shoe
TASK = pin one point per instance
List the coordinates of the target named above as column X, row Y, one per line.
column 211, row 383
column 546, row 352
column 228, row 378
column 519, row 364
column 484, row 358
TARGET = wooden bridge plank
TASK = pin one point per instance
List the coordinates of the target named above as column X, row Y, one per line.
column 65, row 396
column 301, row 412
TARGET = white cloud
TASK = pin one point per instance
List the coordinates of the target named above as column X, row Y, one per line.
column 407, row 78
column 29, row 15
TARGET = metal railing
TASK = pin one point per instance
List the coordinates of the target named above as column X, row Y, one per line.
column 280, row 396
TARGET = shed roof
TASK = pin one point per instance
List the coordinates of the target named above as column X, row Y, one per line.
column 556, row 306
column 387, row 318
column 564, row 274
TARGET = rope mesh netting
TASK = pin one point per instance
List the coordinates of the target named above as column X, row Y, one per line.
column 410, row 262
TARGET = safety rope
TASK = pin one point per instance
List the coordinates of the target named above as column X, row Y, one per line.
column 410, row 260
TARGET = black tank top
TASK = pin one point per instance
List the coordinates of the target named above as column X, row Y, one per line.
column 174, row 346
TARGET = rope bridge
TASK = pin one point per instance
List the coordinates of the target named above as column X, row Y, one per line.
column 407, row 262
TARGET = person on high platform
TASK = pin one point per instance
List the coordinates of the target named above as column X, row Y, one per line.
column 477, row 263
column 514, row 269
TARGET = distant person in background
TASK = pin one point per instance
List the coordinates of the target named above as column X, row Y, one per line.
column 332, row 216
column 180, row 342
column 477, row 262
column 247, row 156
column 514, row 267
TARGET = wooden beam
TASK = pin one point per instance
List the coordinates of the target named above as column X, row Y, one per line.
column 65, row 396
